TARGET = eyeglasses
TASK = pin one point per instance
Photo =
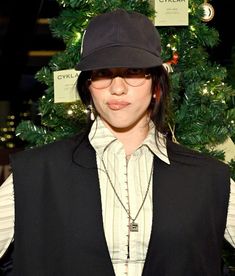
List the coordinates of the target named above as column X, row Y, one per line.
column 132, row 76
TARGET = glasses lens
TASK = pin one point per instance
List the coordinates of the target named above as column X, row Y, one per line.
column 135, row 76
column 101, row 78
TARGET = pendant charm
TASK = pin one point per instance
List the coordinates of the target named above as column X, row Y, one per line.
column 134, row 227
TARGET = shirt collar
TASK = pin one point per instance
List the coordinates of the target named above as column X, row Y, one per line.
column 100, row 136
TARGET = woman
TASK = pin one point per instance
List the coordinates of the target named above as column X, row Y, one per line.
column 119, row 199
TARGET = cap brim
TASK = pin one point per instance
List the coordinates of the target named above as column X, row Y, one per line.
column 116, row 57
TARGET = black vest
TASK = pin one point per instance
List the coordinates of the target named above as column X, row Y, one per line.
column 58, row 226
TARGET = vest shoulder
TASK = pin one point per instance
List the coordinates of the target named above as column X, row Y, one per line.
column 183, row 154
column 52, row 150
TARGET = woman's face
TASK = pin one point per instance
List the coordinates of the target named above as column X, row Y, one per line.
column 120, row 105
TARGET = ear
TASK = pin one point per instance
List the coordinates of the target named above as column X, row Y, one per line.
column 157, row 94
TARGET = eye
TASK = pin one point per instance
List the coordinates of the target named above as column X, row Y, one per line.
column 135, row 72
column 101, row 74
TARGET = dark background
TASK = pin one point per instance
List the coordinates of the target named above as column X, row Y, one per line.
column 26, row 45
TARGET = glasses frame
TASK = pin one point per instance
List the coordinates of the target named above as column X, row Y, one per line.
column 146, row 76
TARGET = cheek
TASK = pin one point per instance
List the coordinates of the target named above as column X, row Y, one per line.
column 94, row 95
column 145, row 97
column 98, row 99
column 145, row 101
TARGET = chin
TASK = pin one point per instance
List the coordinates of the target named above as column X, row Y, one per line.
column 121, row 126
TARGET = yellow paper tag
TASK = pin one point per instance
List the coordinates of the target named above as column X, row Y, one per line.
column 65, row 86
column 229, row 149
column 170, row 12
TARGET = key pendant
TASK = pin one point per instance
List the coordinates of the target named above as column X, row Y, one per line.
column 134, row 227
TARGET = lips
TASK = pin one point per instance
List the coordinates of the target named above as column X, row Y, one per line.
column 117, row 105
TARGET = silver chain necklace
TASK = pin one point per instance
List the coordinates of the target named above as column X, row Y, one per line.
column 133, row 226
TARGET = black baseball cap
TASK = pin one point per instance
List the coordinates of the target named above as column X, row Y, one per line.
column 120, row 39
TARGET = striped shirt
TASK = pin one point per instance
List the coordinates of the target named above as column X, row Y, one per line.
column 130, row 179
column 124, row 183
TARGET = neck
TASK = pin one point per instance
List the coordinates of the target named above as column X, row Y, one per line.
column 131, row 137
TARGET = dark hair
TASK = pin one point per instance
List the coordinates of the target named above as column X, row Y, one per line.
column 159, row 105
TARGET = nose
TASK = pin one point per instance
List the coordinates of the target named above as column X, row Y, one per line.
column 118, row 86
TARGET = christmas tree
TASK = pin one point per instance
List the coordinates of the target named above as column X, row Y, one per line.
column 203, row 114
